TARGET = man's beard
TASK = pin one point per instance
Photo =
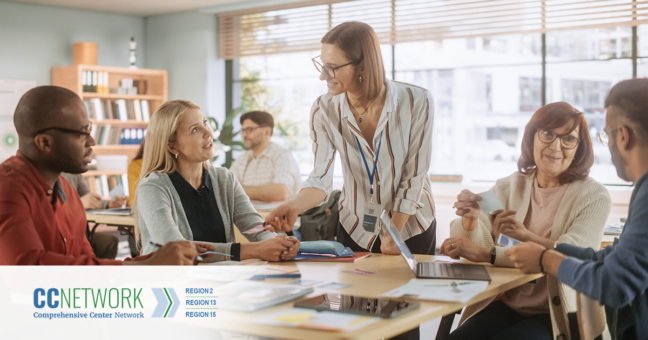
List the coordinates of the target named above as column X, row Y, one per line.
column 619, row 162
column 63, row 161
column 250, row 145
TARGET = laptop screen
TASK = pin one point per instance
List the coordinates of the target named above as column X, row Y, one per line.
column 407, row 255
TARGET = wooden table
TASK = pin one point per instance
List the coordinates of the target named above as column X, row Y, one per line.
column 124, row 224
column 392, row 272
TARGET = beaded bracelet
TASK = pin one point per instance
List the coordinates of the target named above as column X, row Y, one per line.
column 540, row 262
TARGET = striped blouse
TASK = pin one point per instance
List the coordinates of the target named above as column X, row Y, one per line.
column 401, row 180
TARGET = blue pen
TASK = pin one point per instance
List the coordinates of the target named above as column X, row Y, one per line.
column 198, row 258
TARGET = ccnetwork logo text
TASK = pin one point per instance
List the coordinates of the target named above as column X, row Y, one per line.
column 88, row 298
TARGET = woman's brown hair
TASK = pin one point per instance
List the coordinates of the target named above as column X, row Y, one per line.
column 555, row 116
column 360, row 44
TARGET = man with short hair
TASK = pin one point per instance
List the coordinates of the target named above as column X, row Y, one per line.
column 105, row 245
column 267, row 172
column 42, row 220
column 617, row 276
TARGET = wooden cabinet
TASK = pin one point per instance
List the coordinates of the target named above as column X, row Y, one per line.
column 153, row 90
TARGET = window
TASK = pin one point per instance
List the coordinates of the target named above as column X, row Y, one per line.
column 485, row 84
column 479, row 87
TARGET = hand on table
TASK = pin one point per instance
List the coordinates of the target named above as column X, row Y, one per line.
column 292, row 251
column 91, row 201
column 273, row 249
column 201, row 248
column 459, row 246
column 118, row 202
column 173, row 253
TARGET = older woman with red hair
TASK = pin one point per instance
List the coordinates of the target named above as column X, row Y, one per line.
column 550, row 200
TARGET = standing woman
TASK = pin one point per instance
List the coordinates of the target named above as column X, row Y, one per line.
column 383, row 131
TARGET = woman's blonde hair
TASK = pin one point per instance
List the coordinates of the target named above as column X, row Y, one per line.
column 162, row 130
column 360, row 44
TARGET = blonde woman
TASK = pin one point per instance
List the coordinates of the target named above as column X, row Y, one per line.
column 550, row 200
column 181, row 197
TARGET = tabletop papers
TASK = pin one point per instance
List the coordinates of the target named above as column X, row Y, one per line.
column 439, row 290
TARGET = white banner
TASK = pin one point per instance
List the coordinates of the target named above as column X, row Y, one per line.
column 109, row 302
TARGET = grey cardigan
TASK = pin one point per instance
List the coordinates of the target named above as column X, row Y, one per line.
column 162, row 219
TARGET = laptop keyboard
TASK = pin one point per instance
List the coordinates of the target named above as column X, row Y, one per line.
column 432, row 269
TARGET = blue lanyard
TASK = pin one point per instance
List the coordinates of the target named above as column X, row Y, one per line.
column 371, row 174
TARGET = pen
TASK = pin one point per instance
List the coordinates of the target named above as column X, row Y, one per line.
column 198, row 258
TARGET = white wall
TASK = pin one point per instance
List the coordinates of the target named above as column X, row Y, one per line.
column 34, row 38
column 185, row 44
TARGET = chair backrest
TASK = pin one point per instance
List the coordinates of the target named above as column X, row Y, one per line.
column 591, row 317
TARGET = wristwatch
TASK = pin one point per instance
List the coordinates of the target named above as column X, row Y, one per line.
column 493, row 255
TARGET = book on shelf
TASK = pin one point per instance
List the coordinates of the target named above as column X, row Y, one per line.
column 116, row 135
column 146, row 114
column 97, row 108
column 120, row 109
column 94, row 81
column 138, row 110
column 91, row 114
column 93, row 88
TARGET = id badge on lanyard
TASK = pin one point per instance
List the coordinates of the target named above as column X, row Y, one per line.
column 372, row 209
column 370, row 218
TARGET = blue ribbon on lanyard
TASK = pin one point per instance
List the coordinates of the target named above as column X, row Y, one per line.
column 371, row 174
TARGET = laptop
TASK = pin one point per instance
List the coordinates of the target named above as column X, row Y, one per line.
column 434, row 270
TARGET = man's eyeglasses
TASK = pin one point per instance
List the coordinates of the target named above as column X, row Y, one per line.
column 604, row 138
column 249, row 130
column 328, row 71
column 85, row 133
column 566, row 141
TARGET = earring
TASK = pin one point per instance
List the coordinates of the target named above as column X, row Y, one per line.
column 176, row 156
column 360, row 79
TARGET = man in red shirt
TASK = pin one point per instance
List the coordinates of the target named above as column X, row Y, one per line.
column 42, row 220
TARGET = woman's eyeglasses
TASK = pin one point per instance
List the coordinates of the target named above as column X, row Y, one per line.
column 566, row 141
column 328, row 71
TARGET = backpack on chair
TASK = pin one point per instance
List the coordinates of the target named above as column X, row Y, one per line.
column 320, row 223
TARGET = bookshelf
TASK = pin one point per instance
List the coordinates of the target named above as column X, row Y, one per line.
column 113, row 113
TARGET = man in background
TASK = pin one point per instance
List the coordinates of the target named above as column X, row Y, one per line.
column 104, row 245
column 267, row 172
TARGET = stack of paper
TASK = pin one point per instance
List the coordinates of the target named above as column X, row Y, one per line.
column 326, row 321
column 440, row 290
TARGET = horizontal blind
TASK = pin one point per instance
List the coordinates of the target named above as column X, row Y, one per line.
column 300, row 27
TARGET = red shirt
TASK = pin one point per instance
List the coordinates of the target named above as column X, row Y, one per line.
column 32, row 230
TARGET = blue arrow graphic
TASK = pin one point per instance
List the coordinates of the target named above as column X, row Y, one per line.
column 163, row 302
column 175, row 304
